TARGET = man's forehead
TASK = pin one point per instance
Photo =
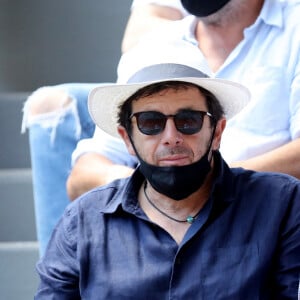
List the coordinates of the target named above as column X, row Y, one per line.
column 190, row 98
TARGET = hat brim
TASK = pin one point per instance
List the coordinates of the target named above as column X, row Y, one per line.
column 105, row 100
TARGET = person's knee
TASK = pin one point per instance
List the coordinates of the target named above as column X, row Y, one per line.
column 47, row 107
column 47, row 100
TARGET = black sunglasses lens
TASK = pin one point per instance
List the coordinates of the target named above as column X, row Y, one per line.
column 151, row 123
column 186, row 122
column 189, row 122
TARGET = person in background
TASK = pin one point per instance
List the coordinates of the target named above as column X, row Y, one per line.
column 240, row 40
column 57, row 118
column 148, row 15
column 185, row 224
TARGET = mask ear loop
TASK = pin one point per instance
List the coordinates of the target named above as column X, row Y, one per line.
column 211, row 140
column 133, row 146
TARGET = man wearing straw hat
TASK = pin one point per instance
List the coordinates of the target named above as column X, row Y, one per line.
column 184, row 225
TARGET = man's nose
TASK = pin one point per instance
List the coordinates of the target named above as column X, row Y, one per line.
column 171, row 135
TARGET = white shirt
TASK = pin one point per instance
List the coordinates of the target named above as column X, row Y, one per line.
column 267, row 62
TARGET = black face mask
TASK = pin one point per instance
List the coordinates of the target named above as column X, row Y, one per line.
column 177, row 182
column 203, row 8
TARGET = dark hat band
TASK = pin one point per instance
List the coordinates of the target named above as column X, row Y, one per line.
column 164, row 72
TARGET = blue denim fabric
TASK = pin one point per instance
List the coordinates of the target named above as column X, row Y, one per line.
column 51, row 149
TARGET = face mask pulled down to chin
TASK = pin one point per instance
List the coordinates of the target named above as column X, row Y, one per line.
column 177, row 182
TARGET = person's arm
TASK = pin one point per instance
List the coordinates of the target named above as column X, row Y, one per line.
column 144, row 18
column 58, row 268
column 91, row 170
column 285, row 159
column 287, row 265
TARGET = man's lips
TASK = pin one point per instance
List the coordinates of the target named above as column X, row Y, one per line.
column 174, row 160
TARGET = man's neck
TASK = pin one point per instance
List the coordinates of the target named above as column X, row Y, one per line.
column 219, row 35
column 156, row 206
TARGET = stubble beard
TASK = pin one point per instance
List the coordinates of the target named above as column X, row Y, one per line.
column 232, row 12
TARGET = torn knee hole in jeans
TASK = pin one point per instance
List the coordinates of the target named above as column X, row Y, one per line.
column 47, row 107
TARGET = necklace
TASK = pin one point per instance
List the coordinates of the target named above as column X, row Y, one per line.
column 189, row 219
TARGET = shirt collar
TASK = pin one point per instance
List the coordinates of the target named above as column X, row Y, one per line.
column 126, row 193
column 222, row 188
column 271, row 14
column 126, row 190
column 190, row 23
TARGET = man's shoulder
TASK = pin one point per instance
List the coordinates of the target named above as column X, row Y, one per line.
column 273, row 183
column 88, row 209
column 96, row 201
column 102, row 196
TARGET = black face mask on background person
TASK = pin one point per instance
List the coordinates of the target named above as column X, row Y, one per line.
column 177, row 182
column 203, row 8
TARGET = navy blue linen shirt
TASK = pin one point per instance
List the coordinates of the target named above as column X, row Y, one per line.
column 245, row 244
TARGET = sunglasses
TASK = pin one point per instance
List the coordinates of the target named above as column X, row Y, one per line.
column 186, row 121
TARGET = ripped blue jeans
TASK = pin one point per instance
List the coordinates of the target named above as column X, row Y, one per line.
column 53, row 136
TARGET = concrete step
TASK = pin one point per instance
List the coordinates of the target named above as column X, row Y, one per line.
column 14, row 152
column 18, row 278
column 17, row 219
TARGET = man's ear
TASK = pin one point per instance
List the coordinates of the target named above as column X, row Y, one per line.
column 218, row 133
column 124, row 135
